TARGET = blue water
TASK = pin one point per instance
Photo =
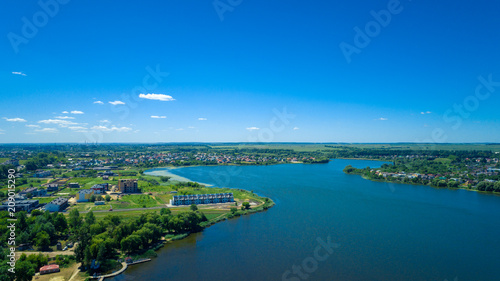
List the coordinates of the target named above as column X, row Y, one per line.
column 378, row 231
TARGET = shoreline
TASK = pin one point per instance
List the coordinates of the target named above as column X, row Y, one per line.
column 426, row 185
column 165, row 171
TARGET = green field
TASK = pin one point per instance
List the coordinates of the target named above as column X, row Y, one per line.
column 308, row 147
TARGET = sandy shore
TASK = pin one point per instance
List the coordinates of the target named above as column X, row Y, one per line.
column 166, row 172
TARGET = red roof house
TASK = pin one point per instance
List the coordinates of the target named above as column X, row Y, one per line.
column 49, row 269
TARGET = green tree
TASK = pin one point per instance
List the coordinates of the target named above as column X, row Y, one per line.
column 60, row 223
column 165, row 211
column 108, row 198
column 36, row 212
column 193, row 207
column 496, row 187
column 131, row 243
column 89, row 218
column 75, row 221
column 42, row 240
column 24, row 271
column 234, row 210
column 246, row 205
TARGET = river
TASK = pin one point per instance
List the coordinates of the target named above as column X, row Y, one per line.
column 327, row 225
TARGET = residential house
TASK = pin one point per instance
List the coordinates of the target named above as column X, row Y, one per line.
column 84, row 195
column 51, row 268
column 52, row 187
column 20, row 204
column 128, row 186
column 201, row 199
column 57, row 205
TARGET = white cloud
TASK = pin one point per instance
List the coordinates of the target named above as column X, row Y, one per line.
column 296, row 128
column 77, row 128
column 382, row 119
column 253, row 128
column 180, row 129
column 76, row 112
column 33, row 126
column 116, row 102
column 65, row 112
column 64, row 117
column 191, row 127
column 202, row 119
column 98, row 102
column 426, row 112
column 62, row 123
column 158, row 117
column 17, row 119
column 47, row 130
column 112, row 129
column 104, row 121
column 18, row 73
column 160, row 97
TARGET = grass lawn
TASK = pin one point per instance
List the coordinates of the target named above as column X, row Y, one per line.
column 43, row 200
column 142, row 200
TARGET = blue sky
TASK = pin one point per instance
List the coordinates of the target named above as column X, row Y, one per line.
column 226, row 72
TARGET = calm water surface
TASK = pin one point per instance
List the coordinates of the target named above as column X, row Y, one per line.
column 382, row 231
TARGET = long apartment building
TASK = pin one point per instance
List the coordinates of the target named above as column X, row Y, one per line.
column 201, row 199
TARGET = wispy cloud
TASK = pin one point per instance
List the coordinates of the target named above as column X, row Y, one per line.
column 62, row 123
column 116, row 102
column 202, row 119
column 18, row 73
column 160, row 97
column 76, row 112
column 180, row 129
column 98, row 102
column 47, row 130
column 64, row 117
column 253, row 128
column 77, row 128
column 65, row 112
column 296, row 128
column 382, row 119
column 33, row 126
column 112, row 129
column 104, row 121
column 17, row 119
column 425, row 112
column 191, row 127
column 158, row 117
